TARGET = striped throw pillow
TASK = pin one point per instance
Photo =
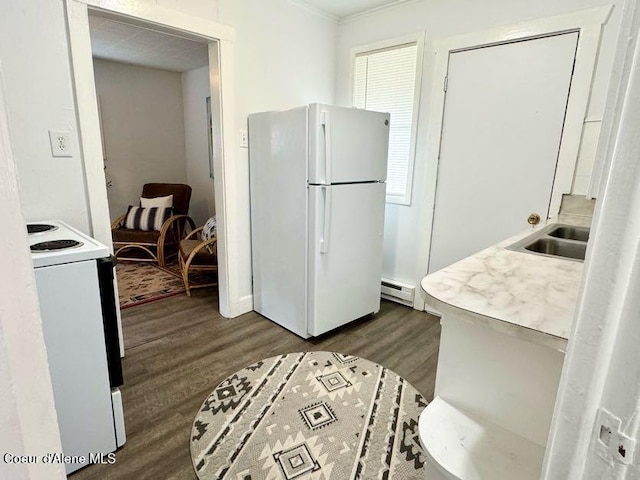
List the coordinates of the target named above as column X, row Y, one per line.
column 139, row 218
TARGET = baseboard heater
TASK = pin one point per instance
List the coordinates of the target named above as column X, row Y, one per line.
column 397, row 292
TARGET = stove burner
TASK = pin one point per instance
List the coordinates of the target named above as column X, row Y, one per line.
column 54, row 245
column 39, row 227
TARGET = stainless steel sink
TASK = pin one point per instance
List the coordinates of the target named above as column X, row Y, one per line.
column 558, row 248
column 557, row 241
column 570, row 233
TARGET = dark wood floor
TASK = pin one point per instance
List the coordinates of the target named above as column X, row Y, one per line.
column 179, row 349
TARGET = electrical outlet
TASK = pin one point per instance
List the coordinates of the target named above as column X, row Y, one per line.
column 60, row 144
column 611, row 443
column 244, row 139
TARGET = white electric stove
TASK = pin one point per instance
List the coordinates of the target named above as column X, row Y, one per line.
column 54, row 242
column 74, row 277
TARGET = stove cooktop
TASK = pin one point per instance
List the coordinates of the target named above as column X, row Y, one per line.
column 63, row 244
column 55, row 245
column 40, row 228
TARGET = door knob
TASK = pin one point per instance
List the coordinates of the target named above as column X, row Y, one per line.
column 533, row 219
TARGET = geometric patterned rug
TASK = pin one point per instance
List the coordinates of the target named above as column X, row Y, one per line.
column 144, row 282
column 313, row 415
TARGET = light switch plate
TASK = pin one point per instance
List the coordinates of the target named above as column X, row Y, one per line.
column 244, row 139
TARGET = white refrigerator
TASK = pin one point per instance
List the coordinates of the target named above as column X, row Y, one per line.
column 317, row 176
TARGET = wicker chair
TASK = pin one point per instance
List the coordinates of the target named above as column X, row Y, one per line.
column 156, row 246
column 197, row 255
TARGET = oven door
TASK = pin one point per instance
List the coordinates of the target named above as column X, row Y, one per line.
column 110, row 319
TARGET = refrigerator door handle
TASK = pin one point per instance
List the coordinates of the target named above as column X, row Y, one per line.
column 326, row 230
column 326, row 124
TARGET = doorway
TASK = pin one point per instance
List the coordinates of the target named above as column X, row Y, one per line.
column 503, row 120
column 153, row 97
column 230, row 219
column 158, row 119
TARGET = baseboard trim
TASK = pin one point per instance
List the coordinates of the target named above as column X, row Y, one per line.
column 244, row 305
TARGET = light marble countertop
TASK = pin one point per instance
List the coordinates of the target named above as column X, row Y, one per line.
column 508, row 289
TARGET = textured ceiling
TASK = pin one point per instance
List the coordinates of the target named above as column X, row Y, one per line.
column 121, row 42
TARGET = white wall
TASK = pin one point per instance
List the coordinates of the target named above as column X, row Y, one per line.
column 143, row 126
column 195, row 90
column 27, row 416
column 34, row 55
column 443, row 18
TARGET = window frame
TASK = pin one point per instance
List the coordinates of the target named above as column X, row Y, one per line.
column 419, row 40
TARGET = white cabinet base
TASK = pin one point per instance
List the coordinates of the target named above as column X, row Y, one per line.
column 507, row 380
column 462, row 446
column 494, row 400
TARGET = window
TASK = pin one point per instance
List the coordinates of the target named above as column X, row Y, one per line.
column 386, row 80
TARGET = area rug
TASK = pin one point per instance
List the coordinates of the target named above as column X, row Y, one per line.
column 141, row 282
column 313, row 415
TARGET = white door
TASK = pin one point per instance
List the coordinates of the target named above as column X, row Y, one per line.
column 346, row 225
column 503, row 118
column 347, row 145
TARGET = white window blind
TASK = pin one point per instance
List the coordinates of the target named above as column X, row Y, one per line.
column 384, row 81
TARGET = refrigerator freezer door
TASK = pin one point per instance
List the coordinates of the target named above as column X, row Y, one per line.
column 347, row 145
column 346, row 225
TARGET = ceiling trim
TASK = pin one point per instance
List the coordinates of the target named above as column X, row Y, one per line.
column 376, row 10
column 315, row 11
